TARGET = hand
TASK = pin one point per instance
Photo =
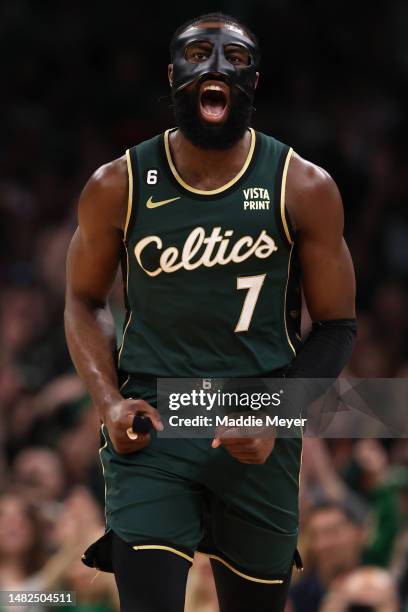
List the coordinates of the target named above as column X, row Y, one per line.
column 119, row 418
column 371, row 456
column 254, row 449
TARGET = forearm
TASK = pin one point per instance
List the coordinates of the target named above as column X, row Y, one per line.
column 90, row 334
column 319, row 362
column 326, row 351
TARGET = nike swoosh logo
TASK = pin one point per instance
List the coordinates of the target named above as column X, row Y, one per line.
column 151, row 204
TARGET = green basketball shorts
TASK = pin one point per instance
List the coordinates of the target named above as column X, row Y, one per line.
column 184, row 496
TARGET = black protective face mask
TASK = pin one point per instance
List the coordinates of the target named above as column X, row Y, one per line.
column 185, row 72
column 241, row 80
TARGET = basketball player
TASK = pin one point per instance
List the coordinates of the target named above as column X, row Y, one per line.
column 213, row 223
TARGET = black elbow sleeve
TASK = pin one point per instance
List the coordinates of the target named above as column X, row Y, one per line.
column 326, row 351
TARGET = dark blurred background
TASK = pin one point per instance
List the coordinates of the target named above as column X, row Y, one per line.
column 81, row 82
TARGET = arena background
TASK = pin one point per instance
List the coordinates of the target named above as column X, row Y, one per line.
column 81, row 82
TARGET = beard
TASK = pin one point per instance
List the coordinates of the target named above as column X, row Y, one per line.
column 208, row 135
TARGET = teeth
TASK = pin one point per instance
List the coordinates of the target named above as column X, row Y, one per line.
column 213, row 88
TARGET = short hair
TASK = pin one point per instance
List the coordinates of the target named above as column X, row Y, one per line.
column 218, row 17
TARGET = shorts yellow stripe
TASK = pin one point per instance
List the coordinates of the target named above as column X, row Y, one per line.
column 160, row 547
column 241, row 574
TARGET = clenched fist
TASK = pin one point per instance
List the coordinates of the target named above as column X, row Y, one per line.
column 250, row 449
column 118, row 418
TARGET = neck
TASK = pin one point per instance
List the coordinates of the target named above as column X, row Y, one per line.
column 207, row 168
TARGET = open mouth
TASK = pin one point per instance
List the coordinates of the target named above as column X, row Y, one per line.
column 214, row 101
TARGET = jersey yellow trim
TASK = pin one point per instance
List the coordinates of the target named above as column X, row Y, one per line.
column 124, row 334
column 130, row 193
column 160, row 547
column 130, row 316
column 212, row 191
column 123, row 385
column 241, row 574
column 125, row 229
column 284, row 305
column 283, row 197
column 103, row 467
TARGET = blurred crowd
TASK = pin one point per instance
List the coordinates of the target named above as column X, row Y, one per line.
column 81, row 84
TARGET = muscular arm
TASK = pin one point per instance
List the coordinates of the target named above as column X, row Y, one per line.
column 92, row 262
column 316, row 211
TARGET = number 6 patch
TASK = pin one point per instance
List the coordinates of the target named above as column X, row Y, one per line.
column 152, row 176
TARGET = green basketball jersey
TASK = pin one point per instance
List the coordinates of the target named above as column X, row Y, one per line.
column 211, row 284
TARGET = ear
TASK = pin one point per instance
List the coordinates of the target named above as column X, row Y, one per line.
column 170, row 74
column 257, row 80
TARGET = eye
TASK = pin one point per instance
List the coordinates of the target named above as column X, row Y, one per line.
column 199, row 56
column 198, row 53
column 234, row 59
column 237, row 56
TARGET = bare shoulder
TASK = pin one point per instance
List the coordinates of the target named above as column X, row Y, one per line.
column 311, row 193
column 105, row 195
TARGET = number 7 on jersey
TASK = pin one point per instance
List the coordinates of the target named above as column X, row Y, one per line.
column 254, row 286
